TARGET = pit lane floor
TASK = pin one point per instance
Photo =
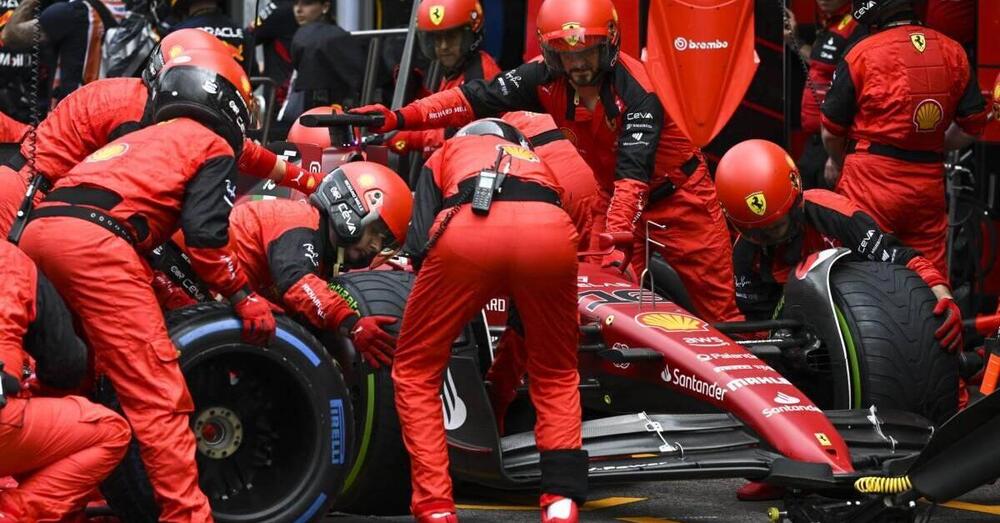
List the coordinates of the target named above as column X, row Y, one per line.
column 675, row 501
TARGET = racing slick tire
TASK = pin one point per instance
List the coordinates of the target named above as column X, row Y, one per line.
column 379, row 480
column 273, row 424
column 886, row 314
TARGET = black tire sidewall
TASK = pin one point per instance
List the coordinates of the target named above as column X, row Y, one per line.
column 888, row 310
column 205, row 331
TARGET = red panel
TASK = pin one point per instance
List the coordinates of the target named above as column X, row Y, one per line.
column 804, row 11
column 987, row 77
column 989, row 28
column 628, row 17
column 989, row 58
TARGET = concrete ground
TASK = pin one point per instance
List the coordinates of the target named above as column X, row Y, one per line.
column 678, row 501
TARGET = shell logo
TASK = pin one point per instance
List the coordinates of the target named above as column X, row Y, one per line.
column 174, row 52
column 367, row 181
column 107, row 152
column 671, row 322
column 928, row 115
column 519, row 152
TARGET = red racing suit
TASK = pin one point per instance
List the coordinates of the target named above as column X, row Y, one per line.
column 525, row 248
column 483, row 67
column 282, row 246
column 58, row 449
column 835, row 35
column 637, row 154
column 895, row 124
column 574, row 175
column 11, row 130
column 828, row 220
column 89, row 118
column 95, row 225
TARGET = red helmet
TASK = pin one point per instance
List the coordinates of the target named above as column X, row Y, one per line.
column 571, row 26
column 359, row 194
column 319, row 136
column 205, row 86
column 177, row 43
column 444, row 15
column 758, row 184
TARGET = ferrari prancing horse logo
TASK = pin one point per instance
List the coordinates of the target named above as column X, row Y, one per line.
column 919, row 41
column 757, row 203
column 437, row 14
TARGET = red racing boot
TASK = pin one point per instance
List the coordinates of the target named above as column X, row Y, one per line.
column 438, row 517
column 557, row 509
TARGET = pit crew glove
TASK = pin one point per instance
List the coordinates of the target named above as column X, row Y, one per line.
column 372, row 341
column 393, row 120
column 258, row 321
column 949, row 334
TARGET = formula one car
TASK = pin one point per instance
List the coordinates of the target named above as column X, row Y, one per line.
column 849, row 379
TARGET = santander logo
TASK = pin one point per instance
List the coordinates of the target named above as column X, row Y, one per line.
column 784, row 399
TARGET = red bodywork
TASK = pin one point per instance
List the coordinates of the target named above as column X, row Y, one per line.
column 701, row 61
column 703, row 363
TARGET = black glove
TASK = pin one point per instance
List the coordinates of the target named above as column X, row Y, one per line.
column 9, row 386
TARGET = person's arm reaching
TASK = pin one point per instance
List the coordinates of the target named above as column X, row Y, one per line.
column 293, row 262
column 259, row 162
column 510, row 91
column 205, row 222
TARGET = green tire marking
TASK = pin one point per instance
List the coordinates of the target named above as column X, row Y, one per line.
column 852, row 358
column 365, row 437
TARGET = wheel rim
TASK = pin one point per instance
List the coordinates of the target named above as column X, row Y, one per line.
column 257, row 436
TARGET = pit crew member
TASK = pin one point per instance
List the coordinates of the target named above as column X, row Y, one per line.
column 885, row 120
column 521, row 244
column 779, row 224
column 59, row 449
column 646, row 169
column 836, row 30
column 114, row 207
column 451, row 32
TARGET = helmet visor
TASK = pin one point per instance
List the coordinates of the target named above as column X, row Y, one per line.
column 573, row 39
column 773, row 234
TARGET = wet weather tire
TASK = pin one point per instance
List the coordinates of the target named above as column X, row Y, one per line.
column 273, row 425
column 379, row 480
column 888, row 311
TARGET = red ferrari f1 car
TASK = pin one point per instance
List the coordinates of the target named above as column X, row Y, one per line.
column 848, row 380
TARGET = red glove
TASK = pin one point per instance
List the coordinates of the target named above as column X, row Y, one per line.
column 170, row 296
column 258, row 321
column 391, row 119
column 949, row 334
column 371, row 340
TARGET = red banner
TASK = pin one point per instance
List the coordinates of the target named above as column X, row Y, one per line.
column 701, row 61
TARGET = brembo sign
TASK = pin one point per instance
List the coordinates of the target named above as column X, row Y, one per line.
column 682, row 43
